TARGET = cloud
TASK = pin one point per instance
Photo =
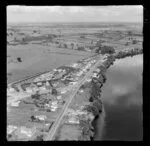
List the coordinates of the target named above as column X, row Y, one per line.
column 88, row 13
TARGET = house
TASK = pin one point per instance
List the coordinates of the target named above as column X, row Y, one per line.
column 54, row 69
column 53, row 109
column 63, row 91
column 11, row 89
column 98, row 70
column 89, row 80
column 47, row 105
column 54, row 102
column 81, row 91
column 59, row 97
column 39, row 83
column 80, row 73
column 94, row 75
column 47, row 83
column 73, row 83
column 41, row 117
column 29, row 90
column 73, row 120
column 74, row 65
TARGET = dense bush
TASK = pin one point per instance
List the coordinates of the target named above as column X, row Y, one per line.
column 35, row 96
column 81, row 48
column 82, row 36
column 19, row 59
column 104, row 49
column 92, row 109
column 134, row 42
column 39, row 138
column 65, row 46
column 107, row 50
column 54, row 91
column 95, row 91
column 131, row 52
column 72, row 45
column 98, row 104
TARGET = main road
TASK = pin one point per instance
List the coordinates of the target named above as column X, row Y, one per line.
column 75, row 89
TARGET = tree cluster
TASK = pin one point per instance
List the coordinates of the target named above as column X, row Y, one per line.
column 81, row 48
column 107, row 50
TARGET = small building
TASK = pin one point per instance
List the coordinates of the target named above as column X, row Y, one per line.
column 59, row 97
column 74, row 65
column 63, row 91
column 29, row 90
column 54, row 107
column 39, row 83
column 41, row 117
column 54, row 102
column 73, row 83
column 73, row 120
column 81, row 91
column 89, row 80
column 11, row 89
column 47, row 83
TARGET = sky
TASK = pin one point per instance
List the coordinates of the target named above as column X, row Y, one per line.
column 17, row 14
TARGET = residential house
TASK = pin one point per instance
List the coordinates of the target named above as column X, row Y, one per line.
column 73, row 120
column 41, row 117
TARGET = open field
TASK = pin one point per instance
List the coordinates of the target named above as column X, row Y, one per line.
column 36, row 58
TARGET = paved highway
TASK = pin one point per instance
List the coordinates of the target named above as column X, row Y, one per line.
column 55, row 126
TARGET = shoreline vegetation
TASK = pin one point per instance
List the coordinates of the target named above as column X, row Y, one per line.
column 96, row 105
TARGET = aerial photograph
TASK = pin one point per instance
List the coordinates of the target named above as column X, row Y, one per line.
column 74, row 73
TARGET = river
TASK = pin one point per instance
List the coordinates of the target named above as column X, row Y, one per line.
column 122, row 100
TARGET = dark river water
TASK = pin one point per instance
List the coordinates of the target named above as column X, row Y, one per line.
column 122, row 98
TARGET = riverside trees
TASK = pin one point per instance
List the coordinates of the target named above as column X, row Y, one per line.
column 105, row 49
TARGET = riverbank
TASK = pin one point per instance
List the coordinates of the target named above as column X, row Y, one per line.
column 96, row 105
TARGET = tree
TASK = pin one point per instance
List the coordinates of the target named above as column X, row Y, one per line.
column 72, row 45
column 134, row 42
column 98, row 104
column 127, row 43
column 35, row 96
column 92, row 109
column 82, row 36
column 97, row 50
column 33, row 118
column 54, row 91
column 65, row 46
column 81, row 48
column 34, row 31
column 19, row 59
column 39, row 138
column 130, row 33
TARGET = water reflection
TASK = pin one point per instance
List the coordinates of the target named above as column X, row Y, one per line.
column 122, row 97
